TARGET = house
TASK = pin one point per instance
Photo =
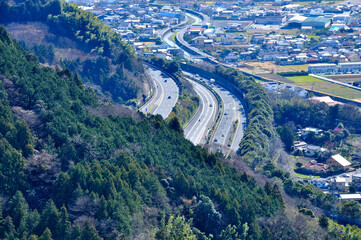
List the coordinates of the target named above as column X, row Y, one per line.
column 149, row 30
column 312, row 150
column 195, row 30
column 350, row 196
column 314, row 168
column 338, row 161
column 356, row 156
column 326, row 99
column 272, row 86
column 307, row 130
column 300, row 145
column 177, row 52
column 198, row 41
column 356, row 180
column 301, row 92
column 320, row 183
column 231, row 57
column 339, row 184
column 228, row 40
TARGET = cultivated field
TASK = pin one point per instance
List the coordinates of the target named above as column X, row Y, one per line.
column 326, row 87
column 345, row 78
column 268, row 66
column 298, row 68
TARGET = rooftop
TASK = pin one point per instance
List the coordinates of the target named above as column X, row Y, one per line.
column 354, row 196
column 341, row 160
column 317, row 19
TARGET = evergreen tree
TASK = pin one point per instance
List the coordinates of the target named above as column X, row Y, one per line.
column 46, row 235
column 76, row 233
column 174, row 124
column 89, row 232
column 49, row 217
column 9, row 229
column 63, row 224
column 102, row 208
column 17, row 208
column 206, row 218
column 323, row 221
column 229, row 233
column 33, row 237
column 266, row 234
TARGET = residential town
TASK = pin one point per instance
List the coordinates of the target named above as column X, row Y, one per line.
column 277, row 41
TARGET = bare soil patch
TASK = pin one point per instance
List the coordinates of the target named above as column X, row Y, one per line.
column 346, row 78
column 38, row 33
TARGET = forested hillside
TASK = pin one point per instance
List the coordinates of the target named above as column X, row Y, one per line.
column 74, row 174
column 110, row 63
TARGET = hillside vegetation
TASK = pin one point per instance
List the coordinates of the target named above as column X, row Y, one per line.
column 77, row 175
column 110, row 63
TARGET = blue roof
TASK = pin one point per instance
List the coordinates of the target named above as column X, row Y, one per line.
column 168, row 14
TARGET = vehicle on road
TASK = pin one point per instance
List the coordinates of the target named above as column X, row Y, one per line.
column 165, row 80
column 169, row 97
column 210, row 105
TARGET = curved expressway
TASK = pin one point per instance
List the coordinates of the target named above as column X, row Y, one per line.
column 165, row 95
column 230, row 129
column 197, row 129
column 231, row 126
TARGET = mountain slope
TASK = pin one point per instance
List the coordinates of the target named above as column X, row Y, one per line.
column 81, row 176
column 82, row 43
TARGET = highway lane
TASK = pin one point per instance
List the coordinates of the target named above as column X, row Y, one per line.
column 165, row 95
column 196, row 19
column 198, row 128
column 232, row 111
column 227, row 133
column 167, row 39
column 181, row 32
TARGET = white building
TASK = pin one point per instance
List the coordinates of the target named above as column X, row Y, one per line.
column 322, row 68
column 350, row 67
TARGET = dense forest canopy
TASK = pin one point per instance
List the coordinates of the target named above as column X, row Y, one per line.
column 72, row 166
column 82, row 176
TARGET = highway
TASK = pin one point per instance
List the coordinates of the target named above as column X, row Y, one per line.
column 180, row 36
column 226, row 134
column 197, row 129
column 230, row 129
column 165, row 95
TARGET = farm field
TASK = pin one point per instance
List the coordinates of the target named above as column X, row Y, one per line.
column 345, row 77
column 268, row 66
column 319, row 85
column 299, row 68
column 304, row 79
